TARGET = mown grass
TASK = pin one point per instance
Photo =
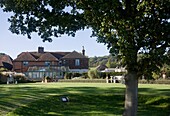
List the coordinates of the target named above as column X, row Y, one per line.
column 103, row 99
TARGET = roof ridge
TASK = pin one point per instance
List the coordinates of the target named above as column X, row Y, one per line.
column 74, row 54
column 46, row 56
column 27, row 56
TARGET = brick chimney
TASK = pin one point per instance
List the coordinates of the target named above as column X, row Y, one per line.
column 83, row 51
column 40, row 49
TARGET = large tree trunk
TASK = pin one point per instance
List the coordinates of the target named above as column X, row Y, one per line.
column 131, row 95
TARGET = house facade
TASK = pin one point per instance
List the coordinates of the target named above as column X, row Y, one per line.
column 53, row 64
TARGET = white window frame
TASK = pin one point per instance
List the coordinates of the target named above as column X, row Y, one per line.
column 77, row 62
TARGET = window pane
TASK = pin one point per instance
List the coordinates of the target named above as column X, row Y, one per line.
column 47, row 63
column 25, row 63
column 77, row 62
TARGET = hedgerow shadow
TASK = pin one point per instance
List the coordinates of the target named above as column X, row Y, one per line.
column 17, row 96
column 152, row 105
column 79, row 104
column 151, row 91
column 84, row 100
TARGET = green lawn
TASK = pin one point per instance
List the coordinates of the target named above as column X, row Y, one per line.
column 103, row 99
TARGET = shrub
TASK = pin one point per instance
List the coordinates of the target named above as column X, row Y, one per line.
column 103, row 75
column 155, row 75
column 48, row 78
column 66, row 76
column 20, row 78
column 77, row 74
column 70, row 75
column 3, row 69
column 83, row 80
column 85, row 75
column 168, row 73
column 161, row 81
column 116, row 73
column 93, row 73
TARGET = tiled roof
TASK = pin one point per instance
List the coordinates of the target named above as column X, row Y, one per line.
column 36, row 55
column 101, row 67
column 5, row 58
column 25, row 56
column 47, row 57
column 59, row 55
column 5, row 61
column 74, row 54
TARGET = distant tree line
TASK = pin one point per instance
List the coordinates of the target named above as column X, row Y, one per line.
column 113, row 61
column 110, row 61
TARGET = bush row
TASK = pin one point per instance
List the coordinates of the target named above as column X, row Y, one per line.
column 104, row 81
column 161, row 81
column 18, row 78
column 83, row 80
column 92, row 74
column 70, row 75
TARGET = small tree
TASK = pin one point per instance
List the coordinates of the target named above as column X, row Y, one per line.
column 93, row 73
column 109, row 63
column 155, row 75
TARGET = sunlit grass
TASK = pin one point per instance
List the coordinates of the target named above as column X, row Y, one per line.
column 85, row 99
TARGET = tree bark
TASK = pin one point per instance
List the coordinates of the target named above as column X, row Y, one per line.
column 131, row 95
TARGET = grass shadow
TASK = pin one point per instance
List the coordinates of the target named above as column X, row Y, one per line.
column 79, row 104
column 92, row 99
column 22, row 95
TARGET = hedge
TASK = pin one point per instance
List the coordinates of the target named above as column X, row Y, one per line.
column 104, row 81
column 83, row 80
column 154, row 81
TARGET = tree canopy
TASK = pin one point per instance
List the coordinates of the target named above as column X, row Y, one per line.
column 127, row 27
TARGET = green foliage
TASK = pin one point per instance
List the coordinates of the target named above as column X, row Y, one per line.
column 47, row 77
column 166, row 69
column 82, row 80
column 20, row 78
column 71, row 75
column 126, row 30
column 77, row 74
column 108, row 64
column 159, row 81
column 155, row 75
column 3, row 69
column 127, row 27
column 103, row 75
column 95, row 61
column 85, row 75
column 93, row 73
column 68, row 75
column 112, row 60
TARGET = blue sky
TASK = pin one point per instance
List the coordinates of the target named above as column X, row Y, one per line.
column 13, row 44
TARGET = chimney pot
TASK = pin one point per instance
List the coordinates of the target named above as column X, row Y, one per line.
column 83, row 51
column 40, row 49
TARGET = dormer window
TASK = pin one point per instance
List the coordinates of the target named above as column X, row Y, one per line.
column 77, row 62
column 25, row 63
column 47, row 63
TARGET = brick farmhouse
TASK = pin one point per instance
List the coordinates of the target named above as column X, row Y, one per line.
column 37, row 65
